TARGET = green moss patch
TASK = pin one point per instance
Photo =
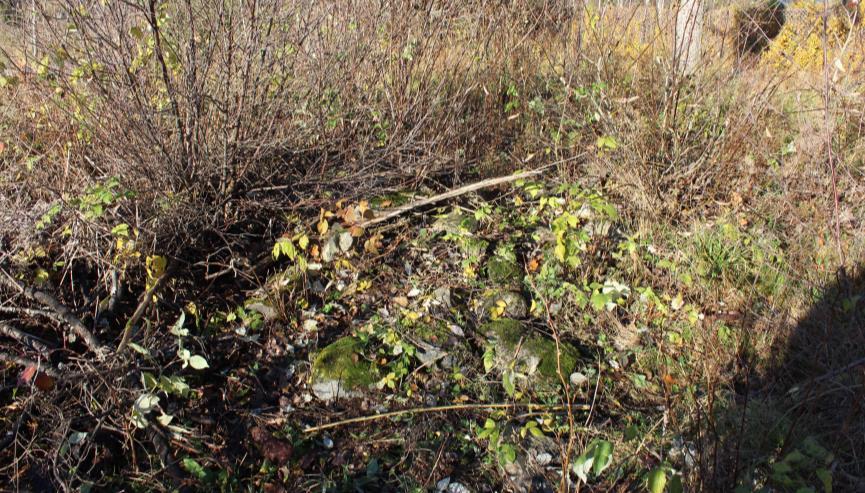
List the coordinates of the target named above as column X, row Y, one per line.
column 501, row 271
column 536, row 350
column 342, row 361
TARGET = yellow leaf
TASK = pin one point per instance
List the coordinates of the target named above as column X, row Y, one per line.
column 323, row 227
column 155, row 266
column 303, row 242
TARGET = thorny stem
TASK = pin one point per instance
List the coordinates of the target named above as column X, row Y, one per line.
column 569, row 448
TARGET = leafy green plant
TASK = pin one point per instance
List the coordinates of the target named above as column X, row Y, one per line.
column 596, row 458
column 505, row 453
column 96, row 198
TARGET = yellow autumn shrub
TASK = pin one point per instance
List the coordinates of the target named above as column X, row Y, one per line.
column 800, row 43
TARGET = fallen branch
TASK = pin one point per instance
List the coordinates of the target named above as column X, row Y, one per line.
column 139, row 312
column 60, row 312
column 490, row 182
column 437, row 409
column 28, row 340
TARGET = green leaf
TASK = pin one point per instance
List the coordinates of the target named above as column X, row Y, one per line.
column 603, row 457
column 303, row 242
column 599, row 300
column 606, row 142
column 121, row 229
column 198, row 362
column 489, row 359
column 138, row 349
column 184, row 356
column 597, row 457
column 177, row 329
column 657, row 481
column 676, row 485
column 825, row 477
column 194, row 468
column 508, row 382
column 507, row 453
column 148, row 381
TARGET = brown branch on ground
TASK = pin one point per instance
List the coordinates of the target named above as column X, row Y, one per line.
column 139, row 312
column 60, row 311
column 28, row 340
column 490, row 182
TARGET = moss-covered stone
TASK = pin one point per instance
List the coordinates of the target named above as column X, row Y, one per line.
column 455, row 222
column 537, row 354
column 506, row 304
column 339, row 370
column 504, row 272
column 436, row 332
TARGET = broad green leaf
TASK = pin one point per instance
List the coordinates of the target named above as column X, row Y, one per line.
column 303, row 242
column 507, row 453
column 177, row 329
column 508, row 382
column 146, row 402
column 198, row 362
column 194, row 468
column 148, row 381
column 121, row 229
column 657, row 481
column 603, row 457
column 599, row 300
column 184, row 356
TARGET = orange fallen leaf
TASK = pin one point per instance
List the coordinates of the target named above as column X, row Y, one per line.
column 31, row 375
column 669, row 380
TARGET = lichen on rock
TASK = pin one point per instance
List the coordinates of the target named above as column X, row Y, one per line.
column 340, row 371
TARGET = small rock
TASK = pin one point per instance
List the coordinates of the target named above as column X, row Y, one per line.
column 578, row 379
column 458, row 488
column 264, row 308
column 442, row 296
column 543, row 458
